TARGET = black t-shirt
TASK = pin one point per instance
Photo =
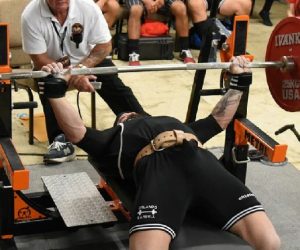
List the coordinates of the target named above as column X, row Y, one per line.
column 115, row 149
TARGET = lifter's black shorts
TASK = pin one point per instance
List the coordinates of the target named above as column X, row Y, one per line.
column 183, row 178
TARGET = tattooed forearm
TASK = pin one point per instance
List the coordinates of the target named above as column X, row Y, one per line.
column 230, row 98
column 225, row 109
column 97, row 55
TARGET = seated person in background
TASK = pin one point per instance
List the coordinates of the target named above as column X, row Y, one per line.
column 165, row 159
column 294, row 8
column 141, row 8
column 73, row 31
column 111, row 10
column 197, row 10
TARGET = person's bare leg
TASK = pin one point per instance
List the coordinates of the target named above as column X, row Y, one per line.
column 258, row 231
column 235, row 7
column 134, row 21
column 197, row 10
column 179, row 11
column 149, row 240
column 112, row 11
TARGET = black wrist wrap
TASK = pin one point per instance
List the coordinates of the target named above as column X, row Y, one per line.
column 52, row 87
column 240, row 81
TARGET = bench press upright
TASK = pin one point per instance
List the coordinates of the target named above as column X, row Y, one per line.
column 235, row 156
column 206, row 55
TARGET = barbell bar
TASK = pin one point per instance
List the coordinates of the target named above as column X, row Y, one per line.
column 286, row 63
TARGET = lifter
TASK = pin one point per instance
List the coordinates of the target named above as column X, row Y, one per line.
column 172, row 172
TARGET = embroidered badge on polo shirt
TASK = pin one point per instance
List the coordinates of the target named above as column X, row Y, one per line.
column 77, row 34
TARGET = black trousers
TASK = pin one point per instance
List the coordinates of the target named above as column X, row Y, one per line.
column 118, row 97
column 267, row 5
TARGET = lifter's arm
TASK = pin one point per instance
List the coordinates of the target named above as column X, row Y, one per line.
column 68, row 119
column 219, row 118
column 224, row 111
column 54, row 88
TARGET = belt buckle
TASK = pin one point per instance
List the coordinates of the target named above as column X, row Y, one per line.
column 154, row 148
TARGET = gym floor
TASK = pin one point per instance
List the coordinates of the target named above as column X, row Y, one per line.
column 153, row 91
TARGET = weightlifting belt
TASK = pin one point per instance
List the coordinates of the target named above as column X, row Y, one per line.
column 166, row 140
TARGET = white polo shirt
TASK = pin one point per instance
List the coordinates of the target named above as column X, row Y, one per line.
column 42, row 33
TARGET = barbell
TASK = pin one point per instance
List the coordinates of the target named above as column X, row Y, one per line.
column 286, row 63
column 282, row 66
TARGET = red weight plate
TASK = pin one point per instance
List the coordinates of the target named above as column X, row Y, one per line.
column 285, row 86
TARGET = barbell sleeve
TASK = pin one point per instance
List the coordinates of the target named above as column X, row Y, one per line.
column 24, row 75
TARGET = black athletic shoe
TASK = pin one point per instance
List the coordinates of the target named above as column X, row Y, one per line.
column 265, row 18
column 60, row 151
